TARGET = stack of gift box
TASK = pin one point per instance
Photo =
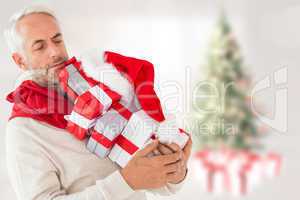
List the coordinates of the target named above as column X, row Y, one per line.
column 235, row 171
column 112, row 128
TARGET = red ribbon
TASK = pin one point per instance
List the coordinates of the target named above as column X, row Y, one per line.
column 100, row 137
column 126, row 144
column 79, row 132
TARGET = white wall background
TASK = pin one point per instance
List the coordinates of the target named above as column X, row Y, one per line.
column 173, row 34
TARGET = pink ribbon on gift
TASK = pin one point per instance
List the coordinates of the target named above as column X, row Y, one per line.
column 277, row 159
column 212, row 169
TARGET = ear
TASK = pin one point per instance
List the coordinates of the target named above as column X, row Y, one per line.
column 19, row 60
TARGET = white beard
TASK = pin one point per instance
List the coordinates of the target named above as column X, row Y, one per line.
column 39, row 76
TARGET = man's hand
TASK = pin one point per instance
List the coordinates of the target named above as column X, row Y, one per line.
column 144, row 172
column 167, row 149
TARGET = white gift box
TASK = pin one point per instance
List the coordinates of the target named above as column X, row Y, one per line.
column 213, row 173
column 139, row 129
column 107, row 129
column 238, row 176
column 255, row 175
column 76, row 82
column 272, row 165
column 169, row 132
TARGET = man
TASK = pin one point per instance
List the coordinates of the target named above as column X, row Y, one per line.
column 46, row 162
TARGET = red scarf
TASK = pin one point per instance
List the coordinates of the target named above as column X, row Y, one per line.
column 41, row 103
column 141, row 74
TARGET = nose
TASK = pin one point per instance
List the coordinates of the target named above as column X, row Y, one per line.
column 54, row 51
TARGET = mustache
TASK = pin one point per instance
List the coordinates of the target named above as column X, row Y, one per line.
column 45, row 70
column 57, row 62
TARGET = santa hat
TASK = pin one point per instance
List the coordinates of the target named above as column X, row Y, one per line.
column 141, row 74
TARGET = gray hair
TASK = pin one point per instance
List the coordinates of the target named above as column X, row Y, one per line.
column 13, row 38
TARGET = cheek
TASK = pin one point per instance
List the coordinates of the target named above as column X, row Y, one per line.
column 40, row 62
column 36, row 61
column 63, row 51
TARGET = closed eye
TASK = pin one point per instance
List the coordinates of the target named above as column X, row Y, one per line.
column 57, row 38
column 38, row 46
column 57, row 41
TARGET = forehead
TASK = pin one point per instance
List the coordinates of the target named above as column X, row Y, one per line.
column 37, row 26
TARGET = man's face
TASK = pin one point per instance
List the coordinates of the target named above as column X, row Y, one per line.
column 43, row 47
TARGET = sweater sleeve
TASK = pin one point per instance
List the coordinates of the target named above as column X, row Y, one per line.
column 34, row 177
column 104, row 189
column 170, row 188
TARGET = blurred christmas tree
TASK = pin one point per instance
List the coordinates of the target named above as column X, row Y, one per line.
column 224, row 106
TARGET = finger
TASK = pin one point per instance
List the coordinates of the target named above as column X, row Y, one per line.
column 175, row 147
column 173, row 176
column 170, row 158
column 188, row 147
column 164, row 150
column 174, row 167
column 157, row 152
column 149, row 148
column 170, row 177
